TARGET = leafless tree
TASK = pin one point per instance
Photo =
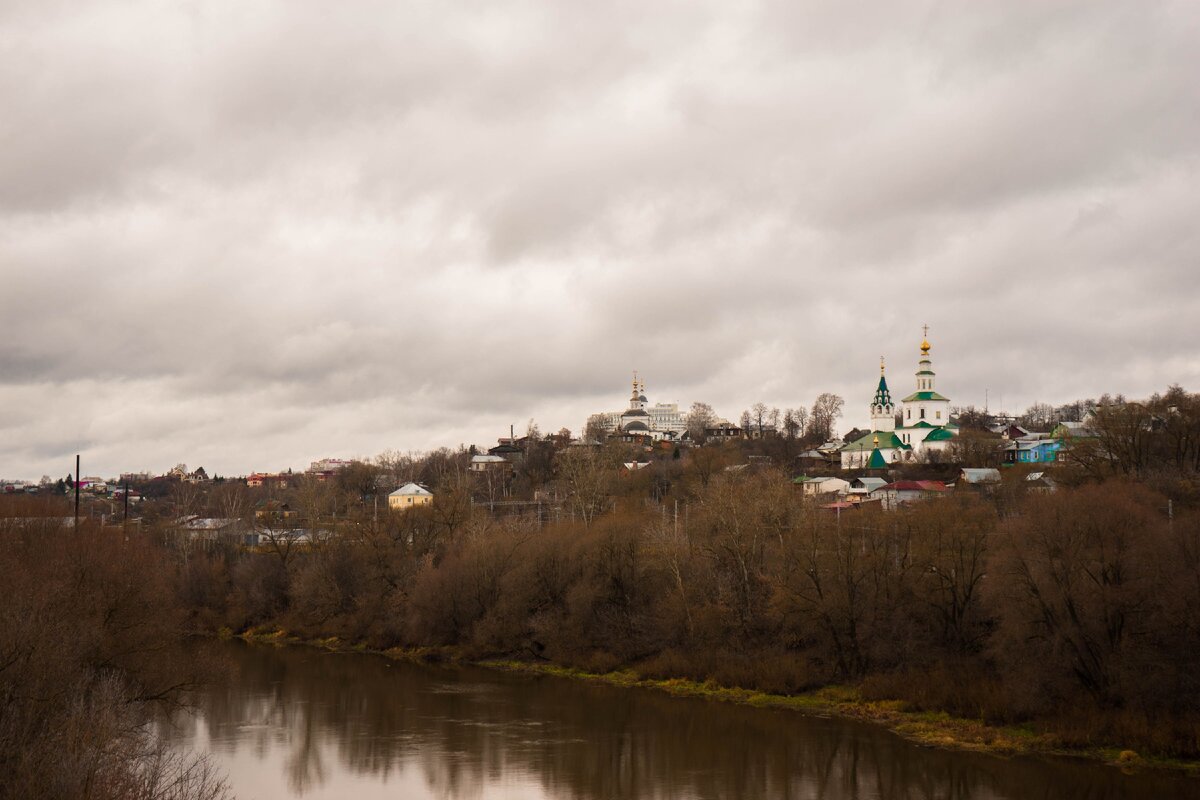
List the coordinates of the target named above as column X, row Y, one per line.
column 699, row 419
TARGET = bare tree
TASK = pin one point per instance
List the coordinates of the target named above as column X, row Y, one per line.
column 595, row 430
column 699, row 419
column 825, row 411
column 758, row 413
column 588, row 475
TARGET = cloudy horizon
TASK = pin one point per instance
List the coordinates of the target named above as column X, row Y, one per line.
column 248, row 236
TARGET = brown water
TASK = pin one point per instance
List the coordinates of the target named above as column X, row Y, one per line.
column 297, row 722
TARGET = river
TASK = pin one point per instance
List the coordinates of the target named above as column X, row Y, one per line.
column 300, row 722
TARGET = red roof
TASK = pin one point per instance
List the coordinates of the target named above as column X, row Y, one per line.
column 917, row 486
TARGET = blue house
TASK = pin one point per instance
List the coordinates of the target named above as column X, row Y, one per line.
column 1032, row 451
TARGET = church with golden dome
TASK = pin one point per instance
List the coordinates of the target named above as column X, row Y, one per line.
column 921, row 425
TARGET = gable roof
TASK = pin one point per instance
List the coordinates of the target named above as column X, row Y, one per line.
column 980, row 475
column 915, row 486
column 411, row 489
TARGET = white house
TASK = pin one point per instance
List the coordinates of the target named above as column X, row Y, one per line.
column 819, row 486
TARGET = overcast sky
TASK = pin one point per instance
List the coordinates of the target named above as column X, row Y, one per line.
column 246, row 235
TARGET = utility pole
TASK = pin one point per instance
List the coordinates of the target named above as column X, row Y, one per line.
column 125, row 521
column 77, row 492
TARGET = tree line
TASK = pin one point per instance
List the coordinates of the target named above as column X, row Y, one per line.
column 1073, row 611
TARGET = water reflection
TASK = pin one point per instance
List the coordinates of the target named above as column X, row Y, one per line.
column 299, row 722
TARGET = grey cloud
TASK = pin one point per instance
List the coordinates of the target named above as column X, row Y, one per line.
column 247, row 236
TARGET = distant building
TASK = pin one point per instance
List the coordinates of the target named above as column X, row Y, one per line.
column 263, row 479
column 273, row 510
column 819, row 486
column 408, row 496
column 1072, row 430
column 660, row 421
column 901, row 493
column 1032, row 451
column 326, row 468
column 490, row 463
column 1040, row 483
column 196, row 476
column 979, row 476
column 862, row 487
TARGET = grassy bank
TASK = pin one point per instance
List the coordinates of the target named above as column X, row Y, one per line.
column 931, row 729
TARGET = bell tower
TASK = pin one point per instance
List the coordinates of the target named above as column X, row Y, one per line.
column 883, row 411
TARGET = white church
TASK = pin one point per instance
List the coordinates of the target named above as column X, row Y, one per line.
column 659, row 421
column 924, row 417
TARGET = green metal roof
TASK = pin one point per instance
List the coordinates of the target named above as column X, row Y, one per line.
column 925, row 396
column 922, row 424
column 877, row 461
column 926, row 372
column 940, row 435
column 887, row 441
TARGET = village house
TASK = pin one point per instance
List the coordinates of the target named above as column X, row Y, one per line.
column 979, row 477
column 1032, row 451
column 814, row 487
column 899, row 493
column 490, row 463
column 861, row 488
column 410, row 495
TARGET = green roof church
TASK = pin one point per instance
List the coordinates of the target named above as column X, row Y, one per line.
column 924, row 422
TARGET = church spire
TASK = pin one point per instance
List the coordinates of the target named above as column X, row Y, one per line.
column 925, row 374
column 883, row 411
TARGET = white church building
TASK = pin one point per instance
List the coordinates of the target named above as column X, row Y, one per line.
column 924, row 422
column 659, row 421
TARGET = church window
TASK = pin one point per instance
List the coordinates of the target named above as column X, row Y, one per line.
column 922, row 413
column 939, row 415
column 908, row 413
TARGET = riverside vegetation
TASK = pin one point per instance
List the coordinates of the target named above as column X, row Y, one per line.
column 1010, row 619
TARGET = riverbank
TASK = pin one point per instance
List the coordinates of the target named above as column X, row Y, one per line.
column 929, row 729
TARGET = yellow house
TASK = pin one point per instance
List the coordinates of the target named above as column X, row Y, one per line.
column 408, row 496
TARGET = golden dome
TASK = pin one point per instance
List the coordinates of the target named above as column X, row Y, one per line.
column 925, row 347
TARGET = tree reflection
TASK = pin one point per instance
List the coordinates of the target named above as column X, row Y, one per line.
column 462, row 730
